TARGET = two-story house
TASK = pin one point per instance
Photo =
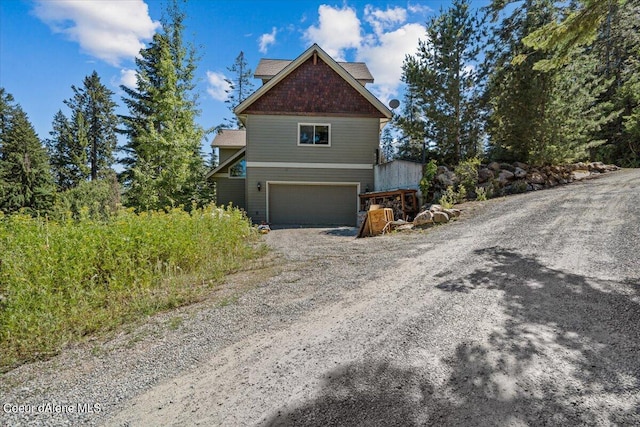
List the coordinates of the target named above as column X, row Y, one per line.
column 310, row 145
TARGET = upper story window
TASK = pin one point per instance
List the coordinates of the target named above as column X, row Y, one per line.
column 314, row 134
column 238, row 169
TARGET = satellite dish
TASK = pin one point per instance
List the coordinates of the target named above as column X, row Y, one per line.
column 394, row 103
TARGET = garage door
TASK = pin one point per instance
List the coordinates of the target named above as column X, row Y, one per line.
column 313, row 204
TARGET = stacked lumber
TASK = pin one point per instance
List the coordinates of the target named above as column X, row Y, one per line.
column 403, row 202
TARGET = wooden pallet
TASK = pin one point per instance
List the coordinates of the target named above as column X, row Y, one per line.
column 375, row 223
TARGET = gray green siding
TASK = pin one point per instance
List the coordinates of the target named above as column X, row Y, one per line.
column 225, row 153
column 231, row 191
column 275, row 139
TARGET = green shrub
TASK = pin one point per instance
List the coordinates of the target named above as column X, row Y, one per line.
column 519, row 186
column 62, row 280
column 428, row 175
column 467, row 173
column 449, row 198
column 94, row 199
column 481, row 194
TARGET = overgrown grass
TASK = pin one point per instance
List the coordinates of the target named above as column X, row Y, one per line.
column 62, row 280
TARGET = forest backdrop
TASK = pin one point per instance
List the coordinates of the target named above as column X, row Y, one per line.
column 536, row 81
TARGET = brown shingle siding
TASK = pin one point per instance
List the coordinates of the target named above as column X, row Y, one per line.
column 313, row 89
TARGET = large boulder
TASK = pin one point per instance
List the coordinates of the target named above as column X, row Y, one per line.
column 425, row 217
column 520, row 173
column 521, row 165
column 597, row 166
column 579, row 174
column 507, row 166
column 535, row 177
column 484, row 175
column 494, row 166
column 505, row 176
column 440, row 217
column 452, row 213
column 447, row 179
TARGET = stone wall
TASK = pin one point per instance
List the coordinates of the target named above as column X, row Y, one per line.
column 499, row 179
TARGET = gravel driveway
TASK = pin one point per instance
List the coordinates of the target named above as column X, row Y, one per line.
column 525, row 313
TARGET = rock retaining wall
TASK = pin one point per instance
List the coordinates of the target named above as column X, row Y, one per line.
column 508, row 178
column 503, row 178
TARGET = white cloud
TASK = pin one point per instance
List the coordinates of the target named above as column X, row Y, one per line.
column 110, row 30
column 382, row 20
column 128, row 78
column 267, row 40
column 217, row 85
column 385, row 54
column 419, row 8
column 382, row 44
column 338, row 30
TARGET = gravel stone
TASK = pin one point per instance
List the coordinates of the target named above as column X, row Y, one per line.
column 505, row 317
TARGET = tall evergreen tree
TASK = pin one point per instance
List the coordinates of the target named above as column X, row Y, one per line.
column 576, row 109
column 575, row 114
column 81, row 147
column 387, row 150
column 577, row 28
column 517, row 95
column 441, row 78
column 25, row 178
column 240, row 87
column 93, row 115
column 618, row 50
column 65, row 158
column 413, row 143
column 164, row 164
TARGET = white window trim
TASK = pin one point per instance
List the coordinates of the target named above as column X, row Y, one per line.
column 235, row 163
column 314, row 124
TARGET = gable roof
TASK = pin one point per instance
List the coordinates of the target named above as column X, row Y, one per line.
column 230, row 138
column 226, row 163
column 340, row 70
column 269, row 68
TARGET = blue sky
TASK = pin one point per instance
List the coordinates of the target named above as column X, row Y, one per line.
column 48, row 45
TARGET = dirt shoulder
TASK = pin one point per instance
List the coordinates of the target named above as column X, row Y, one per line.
column 526, row 312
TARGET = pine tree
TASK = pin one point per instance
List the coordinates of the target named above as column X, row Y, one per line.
column 578, row 28
column 618, row 50
column 581, row 102
column 164, row 165
column 388, row 151
column 574, row 115
column 240, row 87
column 441, row 82
column 61, row 149
column 25, row 178
column 81, row 147
column 517, row 96
column 93, row 115
column 410, row 145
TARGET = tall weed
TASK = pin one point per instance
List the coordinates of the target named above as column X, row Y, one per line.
column 62, row 280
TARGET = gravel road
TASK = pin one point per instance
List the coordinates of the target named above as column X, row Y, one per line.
column 526, row 312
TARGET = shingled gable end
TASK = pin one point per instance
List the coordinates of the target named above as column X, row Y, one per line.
column 314, row 83
column 314, row 88
column 311, row 143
